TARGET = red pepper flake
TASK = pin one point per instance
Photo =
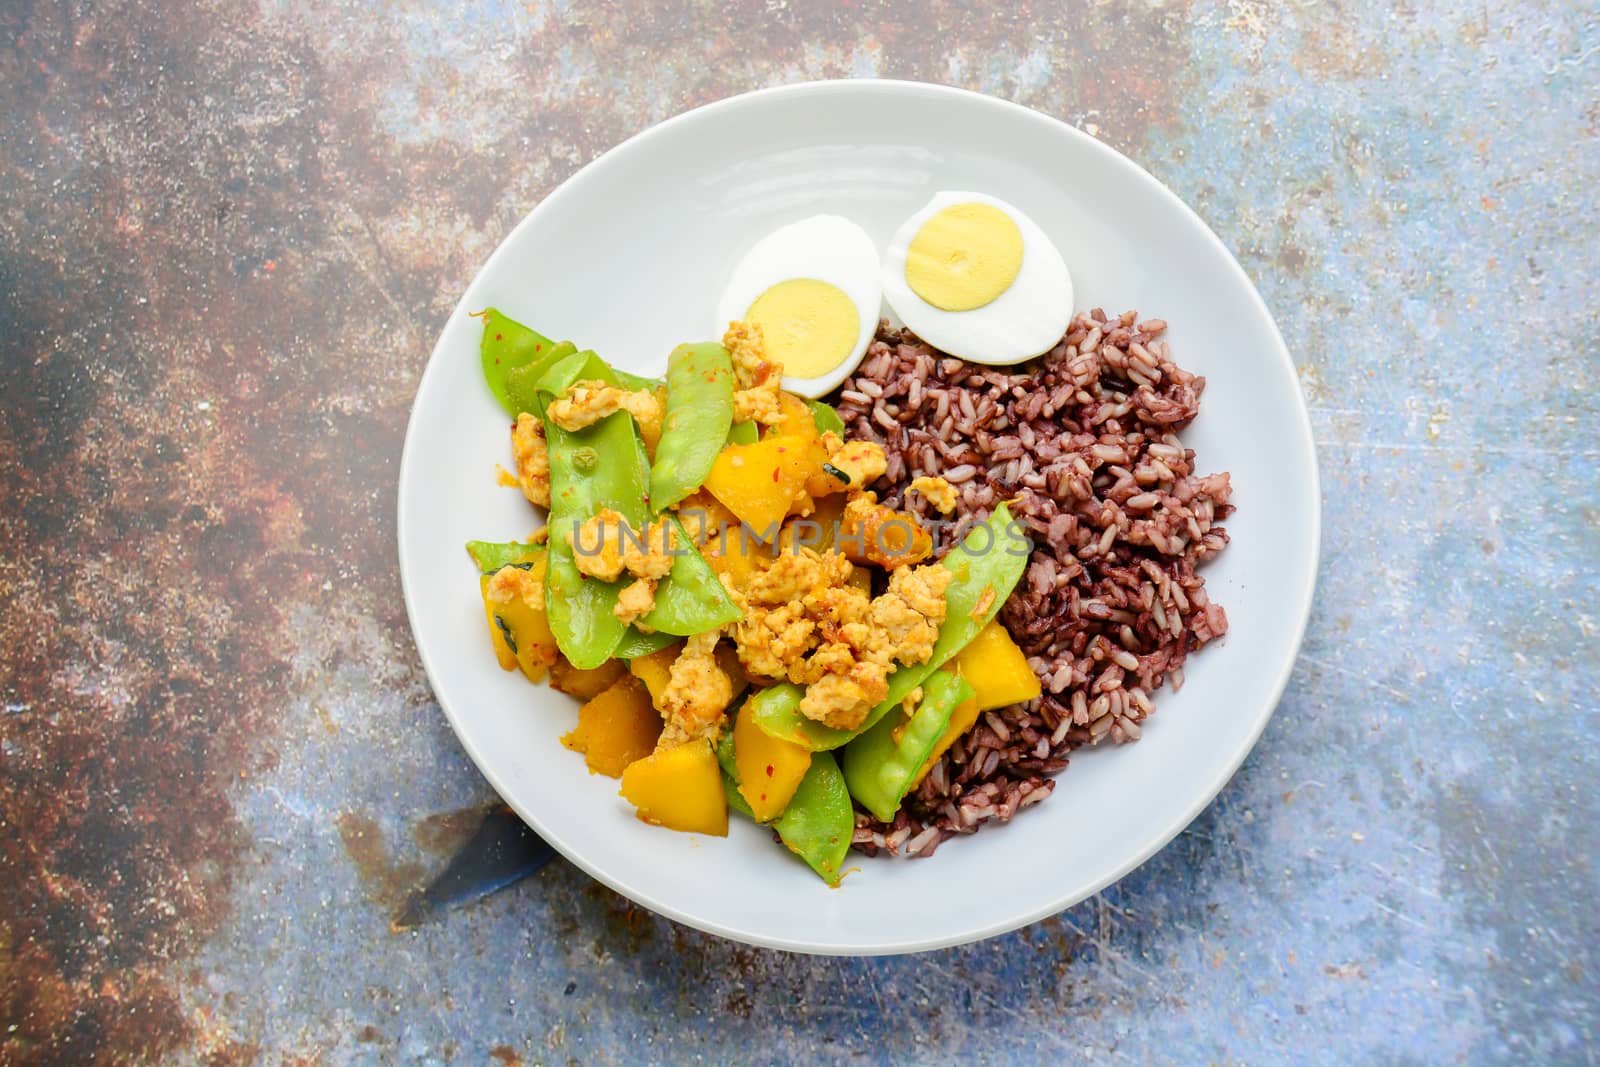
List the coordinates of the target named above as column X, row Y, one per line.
column 774, row 475
column 537, row 347
column 499, row 337
column 770, row 773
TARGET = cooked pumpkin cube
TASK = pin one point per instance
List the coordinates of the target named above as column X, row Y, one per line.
column 616, row 728
column 655, row 670
column 585, row 685
column 513, row 598
column 761, row 482
column 679, row 788
column 996, row 669
column 770, row 768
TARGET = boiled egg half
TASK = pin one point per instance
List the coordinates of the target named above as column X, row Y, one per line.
column 975, row 277
column 814, row 288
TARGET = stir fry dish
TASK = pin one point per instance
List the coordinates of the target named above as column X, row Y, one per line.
column 765, row 607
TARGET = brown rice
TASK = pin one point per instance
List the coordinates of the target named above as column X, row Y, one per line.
column 1084, row 443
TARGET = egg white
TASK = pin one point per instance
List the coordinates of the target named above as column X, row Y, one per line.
column 827, row 248
column 1024, row 321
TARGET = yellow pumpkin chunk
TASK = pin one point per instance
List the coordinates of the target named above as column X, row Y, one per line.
column 655, row 670
column 502, row 651
column 513, row 597
column 770, row 768
column 616, row 728
column 760, row 482
column 996, row 669
column 679, row 788
column 585, row 685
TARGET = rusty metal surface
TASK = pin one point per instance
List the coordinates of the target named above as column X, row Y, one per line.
column 228, row 236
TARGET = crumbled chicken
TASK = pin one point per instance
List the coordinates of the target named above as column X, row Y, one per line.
column 510, row 584
column 636, row 600
column 605, row 547
column 908, row 614
column 870, row 532
column 861, row 462
column 649, row 555
column 532, row 458
column 698, row 691
column 936, row 491
column 804, row 621
column 843, row 700
column 770, row 640
column 587, row 403
column 748, row 349
column 539, row 536
column 597, row 545
column 849, row 675
column 759, row 404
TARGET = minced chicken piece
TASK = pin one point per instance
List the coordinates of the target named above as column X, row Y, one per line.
column 908, row 614
column 843, row 700
column 650, row 554
column 759, row 404
column 532, row 458
column 748, row 350
column 597, row 546
column 586, row 403
column 510, row 584
column 606, row 546
column 636, row 600
column 697, row 693
column 861, row 462
column 936, row 491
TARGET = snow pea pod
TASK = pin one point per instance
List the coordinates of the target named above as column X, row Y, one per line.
column 506, row 344
column 522, row 383
column 690, row 599
column 491, row 556
column 616, row 472
column 987, row 565
column 636, row 643
column 881, row 765
column 818, row 823
column 827, row 419
column 698, row 416
column 599, row 466
column 744, row 433
column 730, row 776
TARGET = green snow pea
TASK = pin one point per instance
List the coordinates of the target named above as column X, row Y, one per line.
column 507, row 344
column 744, row 433
column 490, row 556
column 522, row 383
column 730, row 776
column 699, row 415
column 690, row 599
column 818, row 823
column 608, row 460
column 987, row 565
column 827, row 419
column 881, row 765
column 636, row 643
column 600, row 466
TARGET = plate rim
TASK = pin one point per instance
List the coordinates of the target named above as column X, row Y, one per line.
column 979, row 932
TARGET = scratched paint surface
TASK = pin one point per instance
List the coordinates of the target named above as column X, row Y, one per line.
column 227, row 239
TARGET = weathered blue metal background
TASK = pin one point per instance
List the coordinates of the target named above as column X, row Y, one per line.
column 227, row 240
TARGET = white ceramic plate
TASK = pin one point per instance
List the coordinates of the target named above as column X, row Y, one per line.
column 628, row 257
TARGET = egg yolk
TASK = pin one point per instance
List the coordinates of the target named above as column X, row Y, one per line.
column 964, row 257
column 808, row 325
